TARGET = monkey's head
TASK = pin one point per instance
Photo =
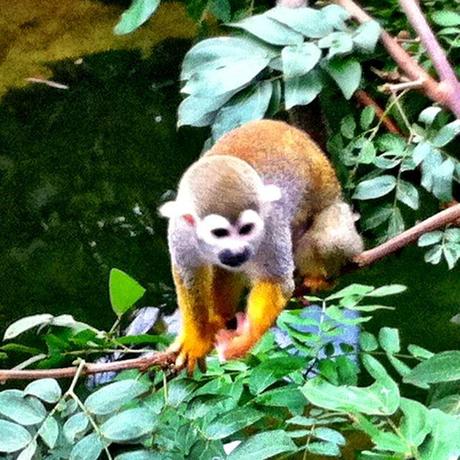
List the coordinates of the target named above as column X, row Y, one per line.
column 225, row 202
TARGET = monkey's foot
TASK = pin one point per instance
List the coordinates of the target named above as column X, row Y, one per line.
column 231, row 344
column 190, row 352
column 317, row 283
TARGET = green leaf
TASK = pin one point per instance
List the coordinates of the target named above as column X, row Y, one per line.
column 124, row 291
column 28, row 452
column 179, row 391
column 446, row 134
column 111, row 397
column 287, row 396
column 377, row 217
column 336, row 16
column 268, row 30
column 263, row 445
column 49, row 432
column 199, row 110
column 128, row 425
column 367, row 341
column 419, row 352
column 22, row 410
column 142, row 454
column 446, row 18
column 221, row 9
column 217, row 82
column 359, row 290
column 302, row 90
column 299, row 60
column 427, row 239
column 75, row 426
column 444, row 439
column 13, row 437
column 367, row 35
column 230, row 422
column 442, row 180
column 391, row 289
column 451, row 254
column 47, row 390
column 389, row 340
column 367, row 153
column 348, row 127
column 433, row 256
column 272, row 370
column 392, row 143
column 395, row 224
column 381, row 398
column 452, row 235
column 337, row 42
column 135, row 16
column 450, row 405
column 431, row 163
column 407, row 194
column 323, row 449
column 330, row 435
column 401, row 367
column 247, row 106
column 346, row 73
column 309, row 22
column 429, row 114
column 88, row 448
column 215, row 53
column 25, row 324
column 367, row 117
column 374, row 188
column 442, row 367
column 416, row 422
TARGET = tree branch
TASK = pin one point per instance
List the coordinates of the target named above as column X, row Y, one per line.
column 438, row 92
column 160, row 359
column 167, row 359
column 409, row 236
column 438, row 57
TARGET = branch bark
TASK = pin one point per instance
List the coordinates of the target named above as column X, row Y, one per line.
column 409, row 236
column 438, row 92
column 167, row 359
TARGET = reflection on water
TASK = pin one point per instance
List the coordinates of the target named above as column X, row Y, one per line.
column 82, row 172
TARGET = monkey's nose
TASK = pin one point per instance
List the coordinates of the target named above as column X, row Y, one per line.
column 232, row 259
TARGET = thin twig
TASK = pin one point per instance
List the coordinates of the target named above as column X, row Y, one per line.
column 436, row 91
column 365, row 99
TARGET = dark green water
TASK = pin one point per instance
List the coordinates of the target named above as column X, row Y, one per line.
column 82, row 172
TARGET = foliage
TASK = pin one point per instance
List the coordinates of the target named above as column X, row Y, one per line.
column 282, row 53
column 301, row 390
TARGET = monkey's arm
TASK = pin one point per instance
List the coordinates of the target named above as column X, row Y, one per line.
column 266, row 300
column 194, row 296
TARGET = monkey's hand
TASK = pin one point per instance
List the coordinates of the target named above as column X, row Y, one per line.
column 231, row 344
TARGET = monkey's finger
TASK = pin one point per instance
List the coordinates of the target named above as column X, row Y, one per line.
column 241, row 322
column 191, row 364
column 202, row 365
column 181, row 361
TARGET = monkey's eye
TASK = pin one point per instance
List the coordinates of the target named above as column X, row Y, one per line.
column 246, row 229
column 220, row 232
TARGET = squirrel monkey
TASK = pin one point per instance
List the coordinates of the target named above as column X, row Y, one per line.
column 262, row 202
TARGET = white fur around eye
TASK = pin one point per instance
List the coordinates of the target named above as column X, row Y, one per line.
column 249, row 216
column 210, row 223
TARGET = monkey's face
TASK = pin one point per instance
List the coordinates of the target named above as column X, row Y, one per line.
column 230, row 244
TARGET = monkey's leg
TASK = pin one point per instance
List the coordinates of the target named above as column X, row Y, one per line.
column 195, row 297
column 325, row 247
column 227, row 290
column 266, row 300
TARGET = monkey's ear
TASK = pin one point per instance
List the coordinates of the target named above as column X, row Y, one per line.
column 173, row 209
column 271, row 193
column 168, row 209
